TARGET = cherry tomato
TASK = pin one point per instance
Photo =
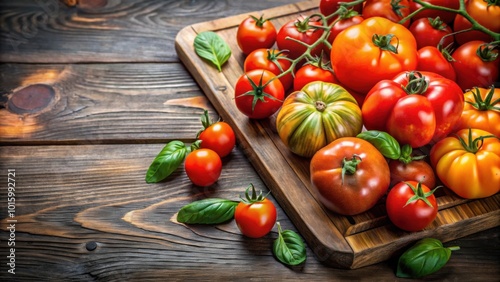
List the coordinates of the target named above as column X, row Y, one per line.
column 393, row 10
column 258, row 94
column 302, row 29
column 255, row 215
column 476, row 63
column 431, row 32
column 203, row 167
column 217, row 136
column 346, row 20
column 411, row 206
column 254, row 33
column 446, row 16
column 416, row 170
column 272, row 60
column 431, row 59
column 313, row 71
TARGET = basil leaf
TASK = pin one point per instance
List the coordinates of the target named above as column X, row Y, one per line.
column 289, row 247
column 384, row 142
column 207, row 211
column 167, row 161
column 425, row 257
column 211, row 47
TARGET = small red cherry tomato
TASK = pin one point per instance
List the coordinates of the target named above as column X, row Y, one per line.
column 217, row 136
column 254, row 33
column 203, row 167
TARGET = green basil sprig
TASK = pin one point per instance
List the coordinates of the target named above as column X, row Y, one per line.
column 167, row 161
column 425, row 257
column 211, row 47
column 207, row 211
column 289, row 247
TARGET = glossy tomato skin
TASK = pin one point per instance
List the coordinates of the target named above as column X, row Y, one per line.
column 272, row 60
column 471, row 69
column 461, row 37
column 446, row 16
column 416, row 215
column 416, row 170
column 359, row 64
column 262, row 109
column 303, row 30
column 485, row 13
column 309, row 73
column 203, row 167
column 469, row 174
column 252, row 34
column 343, row 24
column 257, row 219
column 432, row 60
column 430, row 32
column 218, row 137
column 358, row 192
column 480, row 114
column 386, row 9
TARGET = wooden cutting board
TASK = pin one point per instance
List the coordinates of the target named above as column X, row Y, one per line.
column 338, row 241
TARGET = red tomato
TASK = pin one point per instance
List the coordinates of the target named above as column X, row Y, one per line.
column 447, row 17
column 302, row 29
column 314, row 71
column 416, row 170
column 371, row 51
column 476, row 64
column 218, row 136
column 345, row 21
column 486, row 13
column 255, row 215
column 254, row 33
column 415, row 108
column 349, row 175
column 459, row 24
column 272, row 60
column 258, row 94
column 328, row 7
column 432, row 60
column 393, row 10
column 431, row 32
column 411, row 206
column 203, row 167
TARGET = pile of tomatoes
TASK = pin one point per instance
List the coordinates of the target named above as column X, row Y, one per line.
column 425, row 80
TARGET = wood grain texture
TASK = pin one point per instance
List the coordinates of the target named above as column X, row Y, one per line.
column 76, row 195
column 350, row 242
column 47, row 31
column 104, row 103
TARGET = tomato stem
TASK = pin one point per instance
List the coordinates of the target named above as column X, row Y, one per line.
column 419, row 194
column 417, row 83
column 486, row 104
column 384, row 42
column 255, row 197
column 473, row 145
column 349, row 166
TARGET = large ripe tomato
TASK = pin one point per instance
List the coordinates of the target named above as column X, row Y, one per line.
column 254, row 33
column 431, row 59
column 476, row 64
column 255, row 215
column 349, row 175
column 302, row 29
column 258, row 94
column 272, row 60
column 217, row 136
column 315, row 116
column 328, row 7
column 313, row 71
column 481, row 110
column 371, row 51
column 431, row 32
column 468, row 163
column 393, row 10
column 411, row 206
column 203, row 167
column 446, row 16
column 415, row 107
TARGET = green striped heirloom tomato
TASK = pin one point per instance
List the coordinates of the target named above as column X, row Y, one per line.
column 316, row 115
column 468, row 163
column 349, row 175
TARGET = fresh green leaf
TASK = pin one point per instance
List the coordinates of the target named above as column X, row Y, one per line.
column 207, row 211
column 289, row 247
column 425, row 257
column 167, row 161
column 211, row 47
column 384, row 142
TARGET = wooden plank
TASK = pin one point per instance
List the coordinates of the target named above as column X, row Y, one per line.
column 114, row 31
column 349, row 242
column 101, row 103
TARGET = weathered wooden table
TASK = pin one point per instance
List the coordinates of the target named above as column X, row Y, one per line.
column 89, row 95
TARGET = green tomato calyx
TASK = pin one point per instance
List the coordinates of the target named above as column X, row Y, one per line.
column 254, row 197
column 419, row 194
column 349, row 166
